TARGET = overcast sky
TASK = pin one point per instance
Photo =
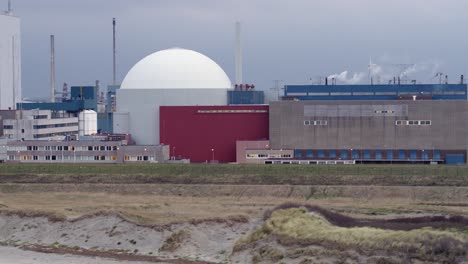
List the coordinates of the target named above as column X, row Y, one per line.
column 295, row 41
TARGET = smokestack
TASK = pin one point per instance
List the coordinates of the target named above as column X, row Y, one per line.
column 398, row 80
column 446, row 79
column 461, row 79
column 113, row 51
column 238, row 54
column 326, row 81
column 52, row 69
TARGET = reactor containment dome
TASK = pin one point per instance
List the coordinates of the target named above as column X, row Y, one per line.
column 172, row 77
column 176, row 68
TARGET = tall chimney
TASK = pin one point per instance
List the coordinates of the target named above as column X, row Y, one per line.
column 238, row 54
column 52, row 69
column 113, row 51
column 461, row 79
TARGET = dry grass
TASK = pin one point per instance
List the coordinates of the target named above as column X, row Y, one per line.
column 175, row 240
column 298, row 226
column 151, row 209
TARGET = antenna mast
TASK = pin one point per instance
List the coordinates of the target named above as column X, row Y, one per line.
column 113, row 51
column 238, row 54
column 52, row 69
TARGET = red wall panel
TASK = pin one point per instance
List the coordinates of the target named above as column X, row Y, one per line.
column 193, row 131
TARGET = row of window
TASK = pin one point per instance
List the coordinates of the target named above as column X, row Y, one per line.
column 266, row 156
column 384, row 111
column 7, row 126
column 398, row 122
column 231, row 111
column 58, row 157
column 53, row 134
column 413, row 123
column 138, row 158
column 63, row 148
column 315, row 122
column 366, row 154
column 55, row 125
column 40, row 117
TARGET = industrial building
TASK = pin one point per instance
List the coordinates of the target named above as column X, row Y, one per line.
column 372, row 131
column 10, row 60
column 38, row 125
column 209, row 133
column 91, row 150
column 348, row 124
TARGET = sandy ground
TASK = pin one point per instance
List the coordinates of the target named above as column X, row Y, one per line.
column 11, row 255
column 207, row 241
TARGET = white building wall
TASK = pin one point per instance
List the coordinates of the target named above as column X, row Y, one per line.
column 10, row 61
column 142, row 106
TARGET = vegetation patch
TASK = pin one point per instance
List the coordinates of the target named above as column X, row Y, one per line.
column 175, row 240
column 413, row 175
column 299, row 226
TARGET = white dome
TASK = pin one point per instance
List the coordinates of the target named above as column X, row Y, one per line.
column 178, row 69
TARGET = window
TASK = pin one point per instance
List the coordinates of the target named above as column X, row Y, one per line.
column 332, row 154
column 34, row 157
column 298, row 153
column 90, row 148
column 315, row 122
column 96, row 157
column 109, row 148
column 413, row 122
column 102, row 148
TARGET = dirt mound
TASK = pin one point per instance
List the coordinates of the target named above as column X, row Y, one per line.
column 307, row 234
column 407, row 223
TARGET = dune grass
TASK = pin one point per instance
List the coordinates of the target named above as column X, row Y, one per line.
column 298, row 226
column 415, row 175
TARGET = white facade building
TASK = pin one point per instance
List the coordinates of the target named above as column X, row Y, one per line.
column 176, row 77
column 39, row 125
column 10, row 61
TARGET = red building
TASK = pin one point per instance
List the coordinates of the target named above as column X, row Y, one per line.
column 209, row 133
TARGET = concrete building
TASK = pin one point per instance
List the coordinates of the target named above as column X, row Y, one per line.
column 84, row 151
column 173, row 77
column 38, row 125
column 10, row 60
column 372, row 131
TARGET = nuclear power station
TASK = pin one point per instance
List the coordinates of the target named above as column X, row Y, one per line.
column 178, row 105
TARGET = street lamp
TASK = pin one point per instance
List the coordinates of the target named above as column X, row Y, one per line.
column 212, row 155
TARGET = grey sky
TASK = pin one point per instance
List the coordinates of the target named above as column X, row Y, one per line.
column 291, row 40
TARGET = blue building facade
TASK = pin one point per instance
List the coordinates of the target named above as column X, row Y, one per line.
column 239, row 97
column 376, row 92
